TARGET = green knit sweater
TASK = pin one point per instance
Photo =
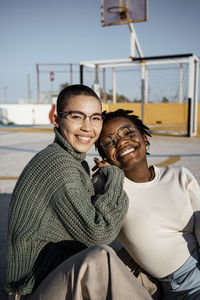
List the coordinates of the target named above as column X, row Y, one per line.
column 53, row 201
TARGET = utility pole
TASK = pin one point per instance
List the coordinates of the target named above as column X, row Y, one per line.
column 5, row 94
column 28, row 88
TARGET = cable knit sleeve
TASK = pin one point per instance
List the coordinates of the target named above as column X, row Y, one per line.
column 88, row 218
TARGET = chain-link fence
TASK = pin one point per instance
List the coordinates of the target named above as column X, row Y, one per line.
column 162, row 86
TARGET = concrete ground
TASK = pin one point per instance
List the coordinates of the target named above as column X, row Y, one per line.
column 17, row 147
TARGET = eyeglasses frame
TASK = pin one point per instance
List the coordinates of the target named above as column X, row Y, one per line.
column 61, row 114
column 114, row 139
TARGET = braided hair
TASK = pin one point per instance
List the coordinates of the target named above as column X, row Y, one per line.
column 143, row 129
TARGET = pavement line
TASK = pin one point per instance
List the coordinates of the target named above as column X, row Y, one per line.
column 8, row 178
column 175, row 155
column 171, row 160
column 18, row 149
column 27, row 129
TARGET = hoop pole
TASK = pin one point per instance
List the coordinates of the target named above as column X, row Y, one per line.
column 134, row 41
column 132, row 44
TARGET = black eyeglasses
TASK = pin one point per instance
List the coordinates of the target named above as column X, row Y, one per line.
column 124, row 132
column 78, row 117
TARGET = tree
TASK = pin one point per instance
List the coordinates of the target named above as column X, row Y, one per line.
column 109, row 96
column 64, row 85
column 165, row 100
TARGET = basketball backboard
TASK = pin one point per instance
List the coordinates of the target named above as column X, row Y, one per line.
column 114, row 12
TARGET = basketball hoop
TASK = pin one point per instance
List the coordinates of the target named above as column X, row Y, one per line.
column 121, row 11
column 117, row 12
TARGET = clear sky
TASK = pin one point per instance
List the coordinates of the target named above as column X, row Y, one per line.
column 63, row 31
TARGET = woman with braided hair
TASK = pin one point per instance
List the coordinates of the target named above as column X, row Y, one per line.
column 161, row 231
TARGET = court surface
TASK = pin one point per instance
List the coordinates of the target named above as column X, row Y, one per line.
column 19, row 145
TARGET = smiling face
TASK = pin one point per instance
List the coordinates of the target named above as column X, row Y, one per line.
column 127, row 153
column 82, row 135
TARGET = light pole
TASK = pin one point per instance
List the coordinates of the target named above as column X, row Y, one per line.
column 29, row 88
column 5, row 94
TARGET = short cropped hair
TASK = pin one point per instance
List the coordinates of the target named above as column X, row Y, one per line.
column 123, row 114
column 72, row 91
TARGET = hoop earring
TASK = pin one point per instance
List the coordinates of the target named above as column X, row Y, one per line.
column 147, row 146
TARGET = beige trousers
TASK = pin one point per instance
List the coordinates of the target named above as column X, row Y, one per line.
column 95, row 273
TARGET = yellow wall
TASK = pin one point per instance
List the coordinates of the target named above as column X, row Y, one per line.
column 136, row 107
column 166, row 113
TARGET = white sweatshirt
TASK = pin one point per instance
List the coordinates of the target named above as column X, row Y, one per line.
column 162, row 226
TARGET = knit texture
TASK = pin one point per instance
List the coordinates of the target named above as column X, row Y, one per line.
column 54, row 201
